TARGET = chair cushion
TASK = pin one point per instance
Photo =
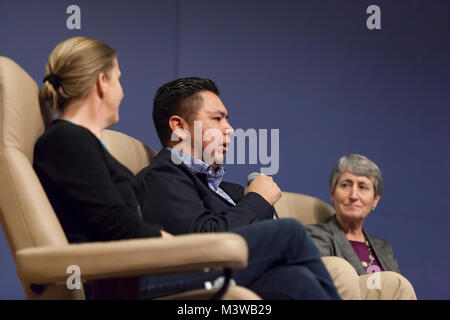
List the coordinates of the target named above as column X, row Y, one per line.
column 132, row 153
column 306, row 209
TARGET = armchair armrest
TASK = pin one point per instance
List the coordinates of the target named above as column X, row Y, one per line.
column 115, row 259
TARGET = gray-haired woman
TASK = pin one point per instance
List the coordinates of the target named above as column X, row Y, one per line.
column 356, row 185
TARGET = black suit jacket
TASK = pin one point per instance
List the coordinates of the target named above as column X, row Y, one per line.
column 173, row 196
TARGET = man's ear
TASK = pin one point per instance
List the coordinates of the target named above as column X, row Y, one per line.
column 179, row 126
column 101, row 85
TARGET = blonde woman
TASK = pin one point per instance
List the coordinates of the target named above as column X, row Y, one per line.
column 94, row 196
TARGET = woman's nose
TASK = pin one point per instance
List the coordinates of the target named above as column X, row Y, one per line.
column 354, row 193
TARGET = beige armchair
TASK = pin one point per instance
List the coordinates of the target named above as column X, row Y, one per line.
column 38, row 244
column 306, row 209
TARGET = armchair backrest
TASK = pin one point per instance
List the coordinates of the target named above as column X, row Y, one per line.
column 306, row 209
column 27, row 217
column 131, row 152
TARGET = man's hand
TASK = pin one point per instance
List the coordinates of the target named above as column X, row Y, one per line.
column 265, row 187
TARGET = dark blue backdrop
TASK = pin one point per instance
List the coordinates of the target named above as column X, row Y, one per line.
column 310, row 68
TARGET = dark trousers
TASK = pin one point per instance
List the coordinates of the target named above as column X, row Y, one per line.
column 283, row 263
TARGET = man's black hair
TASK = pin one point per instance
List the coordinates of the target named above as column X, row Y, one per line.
column 179, row 97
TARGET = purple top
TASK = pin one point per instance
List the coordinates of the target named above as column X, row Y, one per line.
column 363, row 254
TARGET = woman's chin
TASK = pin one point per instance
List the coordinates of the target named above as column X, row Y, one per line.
column 353, row 214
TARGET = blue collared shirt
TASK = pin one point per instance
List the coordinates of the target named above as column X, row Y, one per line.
column 214, row 176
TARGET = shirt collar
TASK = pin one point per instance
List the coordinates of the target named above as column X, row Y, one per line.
column 198, row 166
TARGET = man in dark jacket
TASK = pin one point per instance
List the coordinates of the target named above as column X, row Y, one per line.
column 182, row 189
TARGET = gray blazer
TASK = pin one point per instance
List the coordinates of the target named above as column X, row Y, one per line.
column 331, row 241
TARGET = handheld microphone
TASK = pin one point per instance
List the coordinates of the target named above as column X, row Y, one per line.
column 252, row 176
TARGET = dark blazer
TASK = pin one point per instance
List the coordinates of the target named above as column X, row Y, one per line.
column 331, row 241
column 173, row 196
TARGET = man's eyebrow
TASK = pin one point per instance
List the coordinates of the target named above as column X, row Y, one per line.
column 219, row 112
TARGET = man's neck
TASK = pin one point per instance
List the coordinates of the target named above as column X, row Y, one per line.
column 191, row 153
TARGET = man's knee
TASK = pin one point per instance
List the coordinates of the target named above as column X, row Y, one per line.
column 285, row 230
column 290, row 225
